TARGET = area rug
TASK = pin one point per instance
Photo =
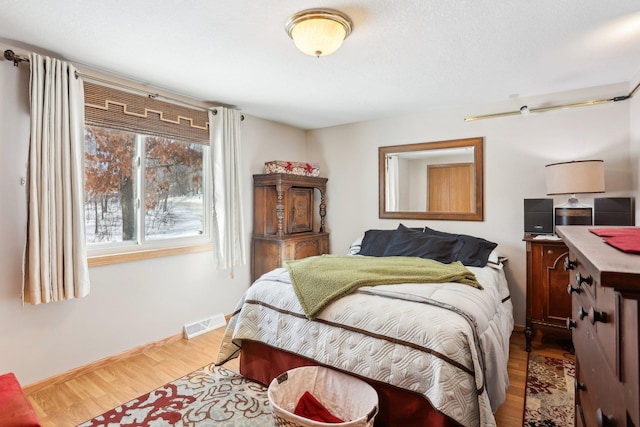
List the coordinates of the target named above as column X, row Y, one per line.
column 211, row 396
column 549, row 398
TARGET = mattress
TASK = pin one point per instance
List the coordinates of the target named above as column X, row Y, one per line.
column 448, row 342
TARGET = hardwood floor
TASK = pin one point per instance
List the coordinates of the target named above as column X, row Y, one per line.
column 83, row 397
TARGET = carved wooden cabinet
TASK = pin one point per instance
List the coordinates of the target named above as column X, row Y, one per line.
column 604, row 323
column 284, row 220
column 548, row 302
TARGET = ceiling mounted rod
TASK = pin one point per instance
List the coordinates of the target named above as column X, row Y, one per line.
column 17, row 59
column 524, row 110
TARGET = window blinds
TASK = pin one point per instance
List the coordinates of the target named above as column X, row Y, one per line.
column 111, row 108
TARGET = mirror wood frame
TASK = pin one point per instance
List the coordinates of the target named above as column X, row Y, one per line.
column 478, row 146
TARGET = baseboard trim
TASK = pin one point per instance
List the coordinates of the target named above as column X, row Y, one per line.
column 69, row 375
column 518, row 328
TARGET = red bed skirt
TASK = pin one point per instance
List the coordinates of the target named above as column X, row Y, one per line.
column 397, row 407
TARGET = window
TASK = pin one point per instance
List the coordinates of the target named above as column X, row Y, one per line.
column 145, row 184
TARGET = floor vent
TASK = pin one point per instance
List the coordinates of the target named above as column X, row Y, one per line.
column 205, row 325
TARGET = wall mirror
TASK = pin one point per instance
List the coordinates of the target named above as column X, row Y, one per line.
column 432, row 180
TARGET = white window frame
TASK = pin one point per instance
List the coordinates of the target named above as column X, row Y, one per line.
column 113, row 252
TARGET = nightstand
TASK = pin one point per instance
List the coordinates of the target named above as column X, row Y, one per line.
column 548, row 302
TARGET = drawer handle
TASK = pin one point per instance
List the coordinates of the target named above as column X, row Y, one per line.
column 570, row 323
column 581, row 313
column 603, row 419
column 571, row 289
column 578, row 385
column 580, row 280
column 569, row 265
column 597, row 316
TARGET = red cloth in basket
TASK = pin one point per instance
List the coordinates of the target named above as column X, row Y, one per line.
column 310, row 407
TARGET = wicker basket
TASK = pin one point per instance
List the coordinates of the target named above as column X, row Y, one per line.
column 345, row 396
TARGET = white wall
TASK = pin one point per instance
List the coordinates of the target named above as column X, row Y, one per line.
column 634, row 145
column 130, row 304
column 516, row 151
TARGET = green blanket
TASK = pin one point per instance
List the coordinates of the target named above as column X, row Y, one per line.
column 319, row 280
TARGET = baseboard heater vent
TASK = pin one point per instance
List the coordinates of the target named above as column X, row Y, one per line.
column 205, row 325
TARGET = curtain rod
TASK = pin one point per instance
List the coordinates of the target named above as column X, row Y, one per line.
column 17, row 59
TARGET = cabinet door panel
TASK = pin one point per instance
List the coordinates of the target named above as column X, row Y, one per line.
column 301, row 215
column 558, row 301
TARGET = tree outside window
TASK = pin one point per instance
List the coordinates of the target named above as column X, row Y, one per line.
column 142, row 188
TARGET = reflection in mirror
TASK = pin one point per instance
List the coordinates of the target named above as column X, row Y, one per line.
column 434, row 180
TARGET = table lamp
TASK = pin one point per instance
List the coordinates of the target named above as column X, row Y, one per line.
column 575, row 177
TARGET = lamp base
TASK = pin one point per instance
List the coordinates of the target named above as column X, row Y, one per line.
column 573, row 202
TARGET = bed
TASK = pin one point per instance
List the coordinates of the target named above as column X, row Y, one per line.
column 436, row 353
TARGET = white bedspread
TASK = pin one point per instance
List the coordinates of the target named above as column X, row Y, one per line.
column 449, row 342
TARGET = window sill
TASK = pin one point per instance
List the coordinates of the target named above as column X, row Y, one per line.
column 99, row 260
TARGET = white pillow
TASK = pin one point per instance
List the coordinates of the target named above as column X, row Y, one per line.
column 496, row 260
column 354, row 249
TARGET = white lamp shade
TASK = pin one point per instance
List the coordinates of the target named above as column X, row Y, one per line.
column 586, row 176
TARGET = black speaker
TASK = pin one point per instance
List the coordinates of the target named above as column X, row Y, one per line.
column 614, row 211
column 538, row 216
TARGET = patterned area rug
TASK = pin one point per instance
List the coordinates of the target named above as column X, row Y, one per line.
column 211, row 396
column 549, row 400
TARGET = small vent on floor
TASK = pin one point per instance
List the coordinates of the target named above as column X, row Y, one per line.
column 205, row 325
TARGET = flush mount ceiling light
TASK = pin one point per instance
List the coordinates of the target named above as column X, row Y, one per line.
column 318, row 32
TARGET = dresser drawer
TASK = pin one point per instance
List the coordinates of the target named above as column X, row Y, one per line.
column 597, row 392
column 582, row 277
column 607, row 310
column 303, row 248
column 598, row 307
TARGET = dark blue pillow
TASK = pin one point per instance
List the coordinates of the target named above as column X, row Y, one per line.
column 407, row 242
column 473, row 251
column 375, row 242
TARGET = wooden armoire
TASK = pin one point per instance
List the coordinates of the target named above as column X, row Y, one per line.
column 284, row 220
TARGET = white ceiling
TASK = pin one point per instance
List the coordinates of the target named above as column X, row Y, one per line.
column 403, row 56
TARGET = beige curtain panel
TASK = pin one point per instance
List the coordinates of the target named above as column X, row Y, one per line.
column 228, row 229
column 55, row 262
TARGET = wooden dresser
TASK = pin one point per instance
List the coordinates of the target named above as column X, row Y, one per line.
column 284, row 220
column 548, row 303
column 604, row 321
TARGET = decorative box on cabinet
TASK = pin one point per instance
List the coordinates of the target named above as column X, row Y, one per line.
column 284, row 225
column 548, row 303
column 604, row 323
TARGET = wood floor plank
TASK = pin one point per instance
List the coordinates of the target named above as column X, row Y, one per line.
column 93, row 392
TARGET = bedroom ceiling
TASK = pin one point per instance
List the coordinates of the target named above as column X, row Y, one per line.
column 403, row 56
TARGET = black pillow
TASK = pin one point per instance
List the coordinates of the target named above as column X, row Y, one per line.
column 474, row 251
column 407, row 242
column 375, row 242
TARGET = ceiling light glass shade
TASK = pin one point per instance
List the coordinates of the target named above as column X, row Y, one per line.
column 318, row 32
column 586, row 176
